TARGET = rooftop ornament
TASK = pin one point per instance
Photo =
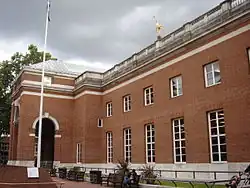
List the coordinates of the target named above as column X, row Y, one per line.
column 158, row 28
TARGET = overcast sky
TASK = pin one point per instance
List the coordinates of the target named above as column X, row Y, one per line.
column 98, row 33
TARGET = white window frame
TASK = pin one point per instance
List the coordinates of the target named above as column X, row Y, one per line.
column 217, row 136
column 178, row 85
column 109, row 109
column 109, row 151
column 151, row 142
column 127, row 145
column 149, row 92
column 78, row 153
column 179, row 140
column 213, row 74
column 100, row 122
column 127, row 103
column 47, row 80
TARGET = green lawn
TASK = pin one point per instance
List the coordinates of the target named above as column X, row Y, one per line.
column 180, row 184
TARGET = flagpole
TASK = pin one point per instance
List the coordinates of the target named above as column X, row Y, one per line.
column 42, row 90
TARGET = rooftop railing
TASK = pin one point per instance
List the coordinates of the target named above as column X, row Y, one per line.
column 216, row 16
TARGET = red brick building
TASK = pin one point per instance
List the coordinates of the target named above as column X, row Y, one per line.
column 181, row 103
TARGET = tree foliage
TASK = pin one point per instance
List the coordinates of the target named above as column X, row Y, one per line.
column 9, row 70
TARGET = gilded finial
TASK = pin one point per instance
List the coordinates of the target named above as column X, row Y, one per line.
column 158, row 28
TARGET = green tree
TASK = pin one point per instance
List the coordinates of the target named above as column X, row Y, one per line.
column 9, row 69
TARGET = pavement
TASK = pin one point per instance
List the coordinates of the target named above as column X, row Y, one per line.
column 74, row 184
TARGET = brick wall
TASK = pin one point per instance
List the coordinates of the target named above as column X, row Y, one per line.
column 78, row 117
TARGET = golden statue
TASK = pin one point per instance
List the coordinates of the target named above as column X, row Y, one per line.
column 158, row 27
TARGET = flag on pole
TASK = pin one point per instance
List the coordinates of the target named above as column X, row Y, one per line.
column 48, row 9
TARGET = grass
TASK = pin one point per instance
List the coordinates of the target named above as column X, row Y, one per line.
column 181, row 184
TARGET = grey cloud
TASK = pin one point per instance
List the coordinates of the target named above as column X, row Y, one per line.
column 93, row 30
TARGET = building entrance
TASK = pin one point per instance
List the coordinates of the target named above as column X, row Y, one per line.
column 47, row 142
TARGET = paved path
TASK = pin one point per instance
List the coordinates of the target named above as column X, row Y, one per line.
column 73, row 184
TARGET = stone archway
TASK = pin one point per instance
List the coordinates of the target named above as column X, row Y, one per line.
column 49, row 127
column 56, row 124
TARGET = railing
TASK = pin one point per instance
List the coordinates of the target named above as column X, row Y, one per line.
column 235, row 3
column 221, row 13
column 188, row 174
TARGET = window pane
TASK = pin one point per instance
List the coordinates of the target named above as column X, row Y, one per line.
column 183, row 158
column 152, row 98
column 215, row 157
column 214, row 140
column 215, row 148
column 183, row 151
column 180, row 81
column 210, row 82
column 220, row 114
column 177, row 136
column 174, row 82
column 178, row 159
column 177, row 144
column 181, row 121
column 222, row 130
column 222, row 139
column 180, row 91
column 210, row 76
column 216, row 67
column 183, row 144
column 223, row 148
column 221, row 122
column 149, row 159
column 208, row 67
column 153, row 133
column 213, row 116
column 174, row 91
column 213, row 123
column 182, row 135
column 214, row 131
column 149, row 152
column 177, row 151
column 176, row 122
column 217, row 77
column 182, row 129
column 223, row 157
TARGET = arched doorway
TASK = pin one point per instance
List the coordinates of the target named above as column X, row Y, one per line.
column 47, row 142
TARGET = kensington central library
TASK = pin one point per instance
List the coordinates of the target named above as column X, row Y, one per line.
column 181, row 102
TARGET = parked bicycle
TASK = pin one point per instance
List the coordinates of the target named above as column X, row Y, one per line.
column 241, row 180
